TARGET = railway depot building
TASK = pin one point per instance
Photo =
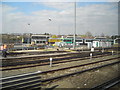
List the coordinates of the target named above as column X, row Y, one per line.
column 39, row 39
column 96, row 42
column 53, row 40
column 117, row 41
column 102, row 42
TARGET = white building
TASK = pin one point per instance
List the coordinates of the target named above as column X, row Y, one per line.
column 117, row 41
column 39, row 39
column 102, row 43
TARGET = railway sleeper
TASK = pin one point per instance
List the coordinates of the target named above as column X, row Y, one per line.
column 107, row 84
column 6, row 64
column 35, row 82
column 26, row 83
column 53, row 63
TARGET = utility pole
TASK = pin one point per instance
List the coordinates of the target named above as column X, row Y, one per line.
column 74, row 43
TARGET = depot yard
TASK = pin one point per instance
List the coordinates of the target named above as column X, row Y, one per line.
column 87, row 79
column 49, row 47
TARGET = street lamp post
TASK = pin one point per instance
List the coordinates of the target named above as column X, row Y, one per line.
column 28, row 34
column 22, row 40
column 74, row 43
column 58, row 30
column 48, row 40
column 58, row 26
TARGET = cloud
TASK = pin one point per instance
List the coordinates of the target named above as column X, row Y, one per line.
column 96, row 18
column 61, row 0
column 0, row 18
column 59, row 5
column 7, row 9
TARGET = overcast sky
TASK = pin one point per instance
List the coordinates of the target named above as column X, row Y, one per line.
column 33, row 17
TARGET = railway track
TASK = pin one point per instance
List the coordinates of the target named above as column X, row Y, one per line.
column 107, row 85
column 76, row 67
column 41, row 56
column 34, row 80
column 46, row 62
column 44, row 52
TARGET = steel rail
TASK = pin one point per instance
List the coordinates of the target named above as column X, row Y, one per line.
column 107, row 85
column 45, row 55
column 79, row 72
column 39, row 56
column 8, row 63
column 56, row 61
column 45, row 80
column 39, row 72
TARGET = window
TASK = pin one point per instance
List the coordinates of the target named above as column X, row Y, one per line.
column 37, row 42
column 88, row 40
column 78, row 40
column 38, row 37
column 67, row 40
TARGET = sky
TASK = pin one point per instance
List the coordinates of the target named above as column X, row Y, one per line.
column 34, row 17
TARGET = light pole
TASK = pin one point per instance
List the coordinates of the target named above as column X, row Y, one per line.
column 48, row 40
column 58, row 26
column 22, row 40
column 74, row 43
column 59, row 29
column 28, row 34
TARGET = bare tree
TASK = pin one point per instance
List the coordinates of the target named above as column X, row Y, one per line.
column 102, row 35
column 89, row 34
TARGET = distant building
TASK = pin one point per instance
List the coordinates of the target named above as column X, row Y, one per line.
column 54, row 40
column 102, row 42
column 39, row 38
column 26, row 40
column 117, row 41
column 100, row 38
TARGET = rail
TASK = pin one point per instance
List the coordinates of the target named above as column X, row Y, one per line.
column 33, row 80
column 26, row 80
column 46, row 62
column 107, row 85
